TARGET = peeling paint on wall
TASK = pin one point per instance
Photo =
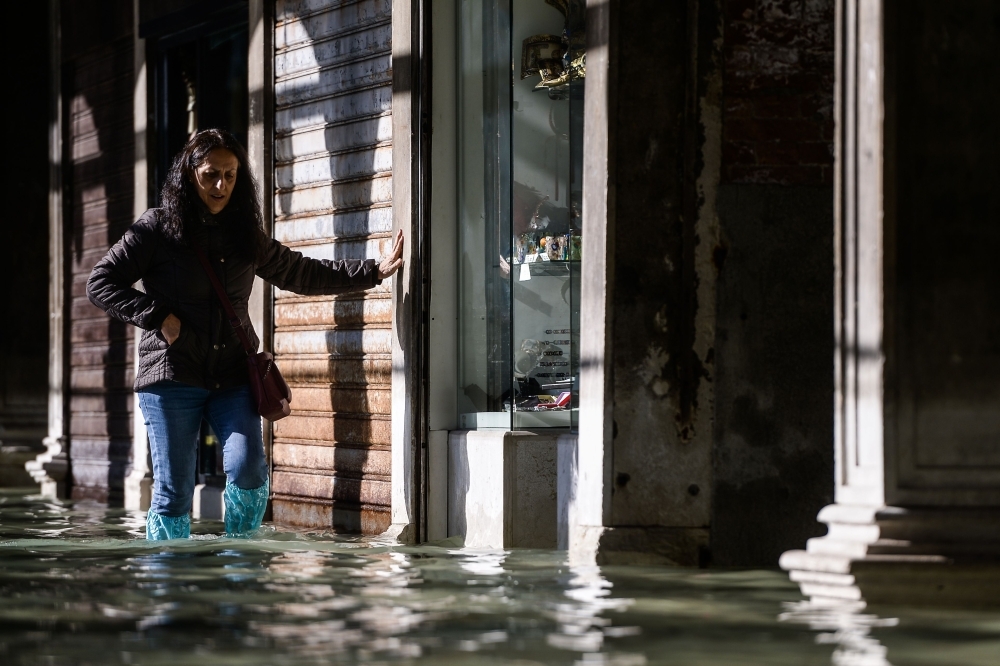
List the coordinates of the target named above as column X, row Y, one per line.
column 667, row 174
column 652, row 369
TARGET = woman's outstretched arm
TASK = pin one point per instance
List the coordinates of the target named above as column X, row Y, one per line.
column 292, row 271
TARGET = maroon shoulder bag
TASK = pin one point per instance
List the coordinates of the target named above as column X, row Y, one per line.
column 270, row 392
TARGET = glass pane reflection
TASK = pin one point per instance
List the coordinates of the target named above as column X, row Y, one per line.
column 522, row 68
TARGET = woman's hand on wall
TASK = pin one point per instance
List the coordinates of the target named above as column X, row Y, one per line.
column 170, row 328
column 391, row 264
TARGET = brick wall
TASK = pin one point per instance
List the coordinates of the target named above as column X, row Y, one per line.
column 778, row 92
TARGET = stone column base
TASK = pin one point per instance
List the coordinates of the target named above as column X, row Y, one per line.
column 603, row 545
column 50, row 469
column 907, row 556
column 651, row 545
column 400, row 533
column 502, row 488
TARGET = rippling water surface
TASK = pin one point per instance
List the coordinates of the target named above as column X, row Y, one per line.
column 79, row 585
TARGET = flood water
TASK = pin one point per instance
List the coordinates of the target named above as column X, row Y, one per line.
column 80, row 585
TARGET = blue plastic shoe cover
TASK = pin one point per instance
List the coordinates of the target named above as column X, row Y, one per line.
column 159, row 528
column 244, row 508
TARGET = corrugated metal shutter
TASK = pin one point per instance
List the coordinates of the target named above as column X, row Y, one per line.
column 333, row 180
column 98, row 86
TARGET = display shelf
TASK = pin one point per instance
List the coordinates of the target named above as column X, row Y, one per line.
column 553, row 418
column 559, row 268
column 485, row 421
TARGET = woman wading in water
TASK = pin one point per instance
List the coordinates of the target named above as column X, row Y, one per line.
column 191, row 363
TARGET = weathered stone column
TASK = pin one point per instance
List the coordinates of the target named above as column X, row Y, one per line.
column 917, row 404
column 642, row 473
column 139, row 476
column 408, row 198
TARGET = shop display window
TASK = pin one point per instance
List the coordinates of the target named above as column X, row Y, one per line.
column 521, row 71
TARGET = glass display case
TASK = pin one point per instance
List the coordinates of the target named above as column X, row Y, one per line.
column 521, row 78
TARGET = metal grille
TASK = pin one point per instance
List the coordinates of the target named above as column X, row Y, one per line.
column 333, row 198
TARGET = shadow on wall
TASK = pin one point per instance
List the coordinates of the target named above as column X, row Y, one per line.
column 773, row 454
column 97, row 82
column 333, row 200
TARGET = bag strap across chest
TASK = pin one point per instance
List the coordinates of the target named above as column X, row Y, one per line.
column 220, row 291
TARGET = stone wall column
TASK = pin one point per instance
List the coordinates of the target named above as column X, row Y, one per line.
column 410, row 159
column 908, row 523
column 643, row 468
column 139, row 479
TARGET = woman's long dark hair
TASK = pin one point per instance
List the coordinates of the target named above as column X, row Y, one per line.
column 182, row 205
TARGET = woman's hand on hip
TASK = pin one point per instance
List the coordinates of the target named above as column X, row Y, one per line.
column 170, row 328
column 391, row 264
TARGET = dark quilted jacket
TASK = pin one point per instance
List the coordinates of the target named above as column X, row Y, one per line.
column 207, row 353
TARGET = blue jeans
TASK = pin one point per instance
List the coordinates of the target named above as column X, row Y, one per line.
column 173, row 413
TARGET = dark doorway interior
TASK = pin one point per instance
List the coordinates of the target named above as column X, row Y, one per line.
column 199, row 82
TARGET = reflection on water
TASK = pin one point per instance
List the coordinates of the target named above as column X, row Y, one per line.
column 845, row 626
column 79, row 585
column 582, row 627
